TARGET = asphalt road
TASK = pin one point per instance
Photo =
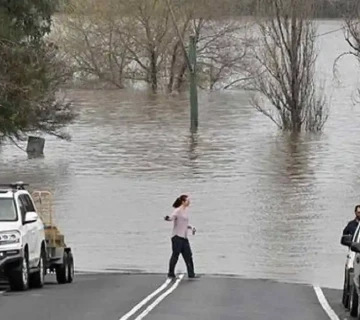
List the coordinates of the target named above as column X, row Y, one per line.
column 112, row 296
column 90, row 297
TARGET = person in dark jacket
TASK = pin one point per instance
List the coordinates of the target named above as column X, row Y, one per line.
column 352, row 225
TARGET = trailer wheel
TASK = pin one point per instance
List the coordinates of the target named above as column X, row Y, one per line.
column 71, row 270
column 62, row 270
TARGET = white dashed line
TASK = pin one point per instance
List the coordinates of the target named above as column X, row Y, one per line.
column 159, row 299
column 145, row 301
column 324, row 303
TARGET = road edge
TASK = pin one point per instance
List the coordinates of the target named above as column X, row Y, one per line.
column 325, row 304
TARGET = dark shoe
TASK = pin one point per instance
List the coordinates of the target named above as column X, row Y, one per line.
column 171, row 276
column 195, row 276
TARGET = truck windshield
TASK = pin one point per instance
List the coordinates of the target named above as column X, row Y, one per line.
column 7, row 209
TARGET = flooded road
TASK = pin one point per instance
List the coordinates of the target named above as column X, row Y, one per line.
column 265, row 205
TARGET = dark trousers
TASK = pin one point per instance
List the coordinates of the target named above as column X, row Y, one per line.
column 181, row 245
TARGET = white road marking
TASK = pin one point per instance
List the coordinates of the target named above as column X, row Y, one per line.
column 159, row 299
column 145, row 300
column 324, row 303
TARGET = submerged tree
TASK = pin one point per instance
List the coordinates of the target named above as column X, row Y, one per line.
column 30, row 72
column 122, row 41
column 352, row 30
column 284, row 65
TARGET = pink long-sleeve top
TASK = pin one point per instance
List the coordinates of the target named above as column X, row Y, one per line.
column 181, row 222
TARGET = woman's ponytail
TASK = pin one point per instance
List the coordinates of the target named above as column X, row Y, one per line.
column 177, row 203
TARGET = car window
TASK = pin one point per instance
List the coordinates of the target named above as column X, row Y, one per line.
column 22, row 207
column 27, row 202
column 7, row 209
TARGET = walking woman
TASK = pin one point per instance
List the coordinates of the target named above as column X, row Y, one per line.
column 180, row 241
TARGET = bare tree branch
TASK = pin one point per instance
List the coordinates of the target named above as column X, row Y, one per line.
column 283, row 69
column 147, row 40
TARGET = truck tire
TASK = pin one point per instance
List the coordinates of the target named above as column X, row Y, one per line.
column 19, row 279
column 346, row 294
column 37, row 279
column 62, row 270
column 71, row 269
column 353, row 301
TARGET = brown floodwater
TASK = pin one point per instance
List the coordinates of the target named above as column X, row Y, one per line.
column 266, row 205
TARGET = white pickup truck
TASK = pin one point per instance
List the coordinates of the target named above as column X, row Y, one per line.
column 22, row 239
column 28, row 245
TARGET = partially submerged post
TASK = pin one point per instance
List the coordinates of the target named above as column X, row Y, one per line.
column 35, row 145
column 191, row 63
column 193, row 85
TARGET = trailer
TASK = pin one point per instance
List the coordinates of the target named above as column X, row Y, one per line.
column 59, row 256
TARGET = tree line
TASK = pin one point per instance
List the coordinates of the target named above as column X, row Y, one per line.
column 323, row 9
column 44, row 44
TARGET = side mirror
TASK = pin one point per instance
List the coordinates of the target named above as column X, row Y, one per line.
column 346, row 240
column 355, row 247
column 31, row 217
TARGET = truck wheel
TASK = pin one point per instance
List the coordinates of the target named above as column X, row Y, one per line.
column 353, row 301
column 71, row 270
column 38, row 278
column 62, row 270
column 19, row 279
column 345, row 296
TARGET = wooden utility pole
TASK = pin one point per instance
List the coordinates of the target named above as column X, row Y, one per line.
column 191, row 63
column 194, row 121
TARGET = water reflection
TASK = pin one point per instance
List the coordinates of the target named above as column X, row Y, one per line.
column 287, row 219
column 193, row 146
